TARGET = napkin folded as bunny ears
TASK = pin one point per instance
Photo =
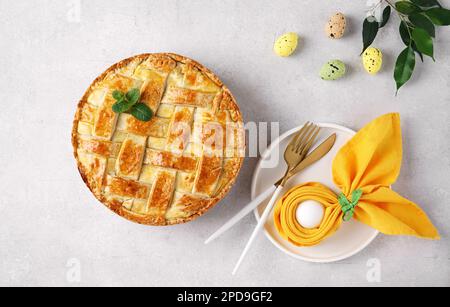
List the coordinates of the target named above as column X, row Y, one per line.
column 369, row 164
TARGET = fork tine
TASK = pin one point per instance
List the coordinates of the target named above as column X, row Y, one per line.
column 308, row 143
column 313, row 133
column 308, row 146
column 302, row 144
column 299, row 135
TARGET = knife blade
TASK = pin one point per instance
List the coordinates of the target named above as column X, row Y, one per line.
column 313, row 157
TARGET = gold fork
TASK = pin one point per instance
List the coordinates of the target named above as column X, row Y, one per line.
column 295, row 152
column 298, row 148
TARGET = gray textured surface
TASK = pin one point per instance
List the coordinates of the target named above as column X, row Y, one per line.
column 47, row 215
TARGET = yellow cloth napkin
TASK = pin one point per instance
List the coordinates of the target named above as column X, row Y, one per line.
column 371, row 162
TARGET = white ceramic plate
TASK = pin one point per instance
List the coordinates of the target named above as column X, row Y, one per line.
column 350, row 239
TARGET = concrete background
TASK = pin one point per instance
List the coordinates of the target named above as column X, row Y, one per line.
column 50, row 224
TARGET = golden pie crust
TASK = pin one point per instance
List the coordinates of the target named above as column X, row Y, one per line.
column 173, row 168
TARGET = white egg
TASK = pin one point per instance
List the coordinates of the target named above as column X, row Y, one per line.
column 310, row 214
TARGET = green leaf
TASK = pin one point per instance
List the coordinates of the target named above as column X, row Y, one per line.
column 142, row 112
column 118, row 95
column 426, row 3
column 423, row 41
column 421, row 21
column 414, row 47
column 386, row 16
column 370, row 30
column 404, row 66
column 406, row 7
column 122, row 106
column 133, row 96
column 405, row 35
column 439, row 16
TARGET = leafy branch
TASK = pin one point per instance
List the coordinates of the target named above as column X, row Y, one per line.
column 418, row 19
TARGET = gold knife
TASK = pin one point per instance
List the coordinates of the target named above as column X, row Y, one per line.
column 314, row 156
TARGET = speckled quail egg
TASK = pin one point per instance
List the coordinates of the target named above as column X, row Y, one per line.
column 335, row 27
column 372, row 59
column 286, row 44
column 333, row 70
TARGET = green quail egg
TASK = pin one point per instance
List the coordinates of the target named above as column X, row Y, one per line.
column 333, row 70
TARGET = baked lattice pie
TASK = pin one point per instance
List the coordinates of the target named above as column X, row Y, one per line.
column 172, row 168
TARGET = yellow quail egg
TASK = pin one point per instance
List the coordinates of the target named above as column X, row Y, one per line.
column 286, row 44
column 372, row 59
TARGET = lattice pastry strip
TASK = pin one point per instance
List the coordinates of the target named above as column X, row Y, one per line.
column 188, row 75
column 131, row 156
column 157, row 127
column 180, row 129
column 208, row 174
column 161, row 195
column 167, row 159
column 126, row 188
column 185, row 205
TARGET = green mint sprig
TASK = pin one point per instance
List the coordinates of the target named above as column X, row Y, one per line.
column 418, row 19
column 130, row 103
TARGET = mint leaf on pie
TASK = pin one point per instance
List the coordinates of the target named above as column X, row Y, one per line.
column 141, row 111
column 133, row 96
column 122, row 106
column 129, row 103
column 118, row 95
